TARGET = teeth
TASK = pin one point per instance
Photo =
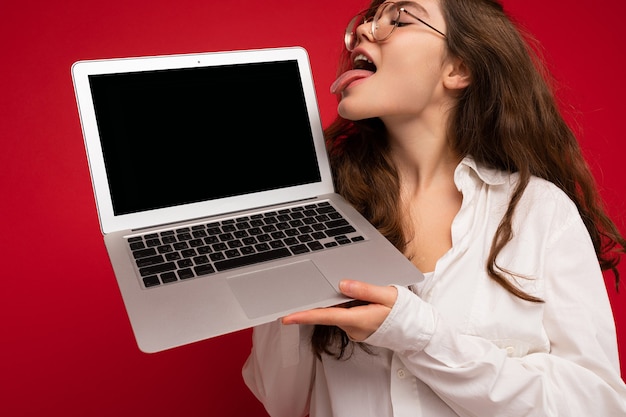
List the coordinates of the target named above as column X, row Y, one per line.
column 361, row 57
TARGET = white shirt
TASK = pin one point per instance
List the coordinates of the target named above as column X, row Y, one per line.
column 461, row 345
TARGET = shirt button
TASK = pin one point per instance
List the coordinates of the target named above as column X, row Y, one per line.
column 401, row 373
column 510, row 350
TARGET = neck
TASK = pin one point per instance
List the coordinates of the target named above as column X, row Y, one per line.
column 422, row 155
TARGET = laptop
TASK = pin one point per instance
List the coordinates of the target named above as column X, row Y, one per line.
column 215, row 196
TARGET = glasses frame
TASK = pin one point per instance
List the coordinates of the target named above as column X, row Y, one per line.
column 350, row 37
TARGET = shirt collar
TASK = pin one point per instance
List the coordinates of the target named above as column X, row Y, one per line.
column 487, row 175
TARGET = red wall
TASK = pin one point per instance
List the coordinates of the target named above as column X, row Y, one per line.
column 66, row 347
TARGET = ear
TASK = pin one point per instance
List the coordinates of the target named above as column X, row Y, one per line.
column 456, row 75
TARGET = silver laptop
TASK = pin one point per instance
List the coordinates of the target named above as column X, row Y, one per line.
column 214, row 193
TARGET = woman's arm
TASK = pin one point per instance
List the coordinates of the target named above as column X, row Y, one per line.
column 579, row 376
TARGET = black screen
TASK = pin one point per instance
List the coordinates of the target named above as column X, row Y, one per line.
column 188, row 135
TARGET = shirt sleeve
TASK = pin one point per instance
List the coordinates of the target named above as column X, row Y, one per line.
column 280, row 368
column 579, row 376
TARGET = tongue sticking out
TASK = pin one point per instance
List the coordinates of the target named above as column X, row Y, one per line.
column 348, row 78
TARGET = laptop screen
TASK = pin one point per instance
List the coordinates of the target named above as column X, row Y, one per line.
column 173, row 137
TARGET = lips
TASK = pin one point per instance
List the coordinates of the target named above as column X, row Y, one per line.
column 348, row 78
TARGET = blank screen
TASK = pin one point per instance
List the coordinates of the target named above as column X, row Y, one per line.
column 172, row 137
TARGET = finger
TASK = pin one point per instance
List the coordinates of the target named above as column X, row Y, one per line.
column 330, row 316
column 358, row 322
column 384, row 295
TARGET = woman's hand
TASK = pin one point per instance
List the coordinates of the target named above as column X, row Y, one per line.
column 358, row 322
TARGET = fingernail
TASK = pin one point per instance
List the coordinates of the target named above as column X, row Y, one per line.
column 287, row 320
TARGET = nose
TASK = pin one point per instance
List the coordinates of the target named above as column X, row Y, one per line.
column 364, row 30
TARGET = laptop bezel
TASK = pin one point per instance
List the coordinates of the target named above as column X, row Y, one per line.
column 109, row 221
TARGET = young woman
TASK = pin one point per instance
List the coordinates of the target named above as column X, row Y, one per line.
column 450, row 142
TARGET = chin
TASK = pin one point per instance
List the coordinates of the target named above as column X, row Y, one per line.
column 351, row 113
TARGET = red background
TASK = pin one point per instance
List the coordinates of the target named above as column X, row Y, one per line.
column 67, row 347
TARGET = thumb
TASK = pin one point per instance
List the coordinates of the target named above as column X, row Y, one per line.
column 368, row 292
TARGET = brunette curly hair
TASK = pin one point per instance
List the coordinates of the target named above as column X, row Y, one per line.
column 507, row 118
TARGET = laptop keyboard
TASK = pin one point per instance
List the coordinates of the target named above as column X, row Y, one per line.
column 200, row 250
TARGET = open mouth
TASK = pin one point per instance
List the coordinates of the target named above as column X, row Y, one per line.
column 364, row 63
column 362, row 68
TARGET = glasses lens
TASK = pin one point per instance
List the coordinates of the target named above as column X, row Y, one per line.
column 385, row 21
column 350, row 37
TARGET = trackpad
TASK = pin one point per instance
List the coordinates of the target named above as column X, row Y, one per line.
column 278, row 289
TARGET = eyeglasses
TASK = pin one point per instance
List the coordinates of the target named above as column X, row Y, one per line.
column 387, row 17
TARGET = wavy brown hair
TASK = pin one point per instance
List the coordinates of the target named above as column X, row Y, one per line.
column 507, row 118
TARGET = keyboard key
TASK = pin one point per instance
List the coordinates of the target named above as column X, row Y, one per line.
column 315, row 246
column 261, row 247
column 218, row 247
column 250, row 241
column 157, row 269
column 153, row 242
column 251, row 259
column 224, row 237
column 247, row 250
column 150, row 260
column 235, row 244
column 299, row 249
column 296, row 223
column 168, row 277
column 340, row 231
column 186, row 273
column 151, row 281
column 174, row 256
column 144, row 252
column 184, row 263
column 264, row 238
column 277, row 244
column 218, row 256
column 326, row 210
column 336, row 223
column 188, row 253
column 305, row 229
column 199, row 233
column 169, row 239
column 343, row 240
column 212, row 231
column 165, row 249
column 201, row 260
column 204, row 250
column 204, row 269
column 305, row 238
column 137, row 245
column 232, row 253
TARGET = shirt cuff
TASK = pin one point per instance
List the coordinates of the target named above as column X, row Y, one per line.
column 409, row 326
